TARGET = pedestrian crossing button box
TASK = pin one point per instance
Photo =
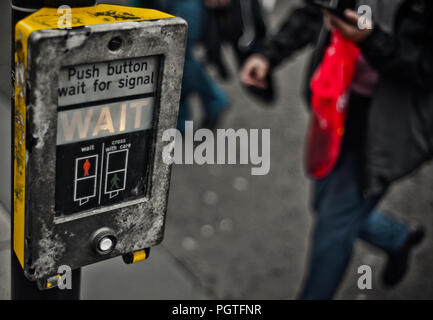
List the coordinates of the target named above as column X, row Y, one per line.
column 92, row 101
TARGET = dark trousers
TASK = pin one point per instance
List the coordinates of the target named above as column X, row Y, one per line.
column 343, row 215
column 195, row 78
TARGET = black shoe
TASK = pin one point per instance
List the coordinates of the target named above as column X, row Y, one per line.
column 397, row 264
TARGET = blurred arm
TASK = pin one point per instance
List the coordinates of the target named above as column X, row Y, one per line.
column 301, row 28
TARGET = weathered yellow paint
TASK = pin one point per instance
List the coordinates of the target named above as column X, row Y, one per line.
column 19, row 148
column 139, row 256
column 48, row 18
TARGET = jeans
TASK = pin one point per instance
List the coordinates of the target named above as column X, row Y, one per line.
column 195, row 78
column 343, row 215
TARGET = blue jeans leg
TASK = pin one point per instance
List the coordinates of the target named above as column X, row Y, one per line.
column 383, row 232
column 343, row 214
column 195, row 78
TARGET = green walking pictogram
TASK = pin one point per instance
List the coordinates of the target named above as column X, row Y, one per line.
column 115, row 182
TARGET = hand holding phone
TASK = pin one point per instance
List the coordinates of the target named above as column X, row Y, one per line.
column 336, row 7
column 349, row 27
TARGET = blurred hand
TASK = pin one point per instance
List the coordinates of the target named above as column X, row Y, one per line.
column 214, row 4
column 349, row 29
column 255, row 71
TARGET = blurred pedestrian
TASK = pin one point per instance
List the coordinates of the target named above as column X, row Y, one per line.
column 195, row 78
column 375, row 131
column 240, row 25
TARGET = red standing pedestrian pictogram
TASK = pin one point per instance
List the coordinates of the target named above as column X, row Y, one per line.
column 86, row 167
column 86, row 172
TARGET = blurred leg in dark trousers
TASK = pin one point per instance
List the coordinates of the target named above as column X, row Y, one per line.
column 195, row 78
column 343, row 215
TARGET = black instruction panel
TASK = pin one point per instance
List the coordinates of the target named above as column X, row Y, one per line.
column 104, row 147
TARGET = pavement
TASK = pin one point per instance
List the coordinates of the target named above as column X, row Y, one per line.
column 231, row 235
column 162, row 277
column 4, row 254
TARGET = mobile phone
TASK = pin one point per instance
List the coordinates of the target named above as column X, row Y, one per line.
column 336, row 7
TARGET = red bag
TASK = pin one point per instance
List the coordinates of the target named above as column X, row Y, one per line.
column 329, row 86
